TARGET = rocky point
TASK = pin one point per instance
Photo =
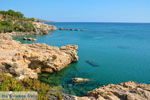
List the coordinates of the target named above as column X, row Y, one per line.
column 27, row 60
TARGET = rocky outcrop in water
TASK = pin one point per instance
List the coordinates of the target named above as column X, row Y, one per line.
column 70, row 29
column 124, row 91
column 26, row 60
column 79, row 80
column 29, row 39
column 43, row 28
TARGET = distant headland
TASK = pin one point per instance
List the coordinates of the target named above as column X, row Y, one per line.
column 44, row 21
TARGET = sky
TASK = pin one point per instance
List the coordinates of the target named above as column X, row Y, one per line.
column 82, row 10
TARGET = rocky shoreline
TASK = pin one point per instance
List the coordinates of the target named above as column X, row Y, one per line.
column 42, row 29
column 124, row 91
column 24, row 61
column 27, row 60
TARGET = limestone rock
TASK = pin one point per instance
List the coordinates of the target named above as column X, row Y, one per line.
column 44, row 28
column 5, row 36
column 29, row 39
column 124, row 91
column 79, row 80
column 26, row 60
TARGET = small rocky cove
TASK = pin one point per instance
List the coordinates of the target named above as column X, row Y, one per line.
column 24, row 61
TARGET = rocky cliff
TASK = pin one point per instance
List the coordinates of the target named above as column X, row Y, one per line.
column 42, row 28
column 13, row 21
column 124, row 91
column 26, row 60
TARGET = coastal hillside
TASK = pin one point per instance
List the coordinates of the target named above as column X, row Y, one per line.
column 21, row 66
column 12, row 21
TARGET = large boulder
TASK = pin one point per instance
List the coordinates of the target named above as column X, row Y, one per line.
column 79, row 80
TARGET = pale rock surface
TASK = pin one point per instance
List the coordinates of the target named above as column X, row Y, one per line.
column 124, row 91
column 79, row 80
column 44, row 28
column 26, row 60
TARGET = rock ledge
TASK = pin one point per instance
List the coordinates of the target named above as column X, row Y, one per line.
column 124, row 91
column 27, row 60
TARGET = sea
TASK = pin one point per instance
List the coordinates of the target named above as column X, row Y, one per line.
column 109, row 53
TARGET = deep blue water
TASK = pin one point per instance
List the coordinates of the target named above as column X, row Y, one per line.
column 122, row 51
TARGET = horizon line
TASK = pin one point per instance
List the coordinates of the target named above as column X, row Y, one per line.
column 96, row 22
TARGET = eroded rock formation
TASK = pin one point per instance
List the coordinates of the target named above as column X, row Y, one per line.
column 79, row 80
column 26, row 60
column 124, row 91
column 43, row 28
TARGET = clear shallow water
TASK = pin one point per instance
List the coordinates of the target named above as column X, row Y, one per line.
column 122, row 51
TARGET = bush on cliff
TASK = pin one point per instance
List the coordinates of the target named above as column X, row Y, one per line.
column 6, row 26
column 18, row 26
column 12, row 21
column 8, row 83
column 11, row 14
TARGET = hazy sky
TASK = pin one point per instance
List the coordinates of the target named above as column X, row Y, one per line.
column 82, row 10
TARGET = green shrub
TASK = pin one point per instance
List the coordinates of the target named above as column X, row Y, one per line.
column 15, row 21
column 11, row 13
column 8, row 83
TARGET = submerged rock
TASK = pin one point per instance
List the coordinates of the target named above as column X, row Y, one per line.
column 26, row 60
column 70, row 29
column 79, row 80
column 92, row 63
column 123, row 47
column 61, row 28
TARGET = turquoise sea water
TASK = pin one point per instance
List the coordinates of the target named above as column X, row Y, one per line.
column 122, row 51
